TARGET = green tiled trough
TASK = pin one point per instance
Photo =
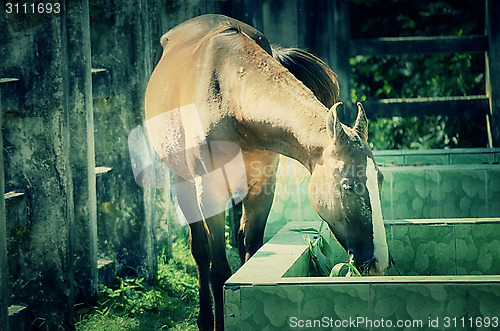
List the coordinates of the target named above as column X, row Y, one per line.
column 442, row 215
column 450, row 269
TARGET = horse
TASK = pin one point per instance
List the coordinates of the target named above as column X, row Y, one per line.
column 220, row 106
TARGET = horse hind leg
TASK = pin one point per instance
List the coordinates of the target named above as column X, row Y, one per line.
column 201, row 253
column 219, row 269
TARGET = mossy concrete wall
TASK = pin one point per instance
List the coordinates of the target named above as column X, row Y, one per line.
column 121, row 41
column 37, row 145
column 4, row 289
column 82, row 159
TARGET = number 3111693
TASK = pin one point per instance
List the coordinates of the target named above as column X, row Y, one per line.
column 32, row 8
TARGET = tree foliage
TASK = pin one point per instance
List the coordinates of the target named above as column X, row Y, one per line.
column 412, row 76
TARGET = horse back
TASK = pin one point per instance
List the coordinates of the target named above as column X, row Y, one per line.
column 201, row 27
column 178, row 64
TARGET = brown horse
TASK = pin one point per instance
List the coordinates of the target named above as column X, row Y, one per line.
column 220, row 109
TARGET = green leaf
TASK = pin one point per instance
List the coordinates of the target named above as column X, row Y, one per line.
column 312, row 230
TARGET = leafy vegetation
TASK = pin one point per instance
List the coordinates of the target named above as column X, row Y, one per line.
column 322, row 257
column 413, row 76
column 171, row 302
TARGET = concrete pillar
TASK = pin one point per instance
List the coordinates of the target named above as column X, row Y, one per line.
column 175, row 12
column 281, row 22
column 4, row 290
column 82, row 156
column 339, row 56
column 248, row 11
column 315, row 24
column 36, row 162
column 121, row 39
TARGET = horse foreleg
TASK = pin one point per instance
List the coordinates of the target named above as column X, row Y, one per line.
column 201, row 254
column 219, row 269
column 261, row 175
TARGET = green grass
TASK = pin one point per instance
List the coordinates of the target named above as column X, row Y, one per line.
column 171, row 303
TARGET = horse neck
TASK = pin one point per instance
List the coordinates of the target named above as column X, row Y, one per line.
column 278, row 113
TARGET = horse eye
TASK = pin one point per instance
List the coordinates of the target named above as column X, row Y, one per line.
column 347, row 185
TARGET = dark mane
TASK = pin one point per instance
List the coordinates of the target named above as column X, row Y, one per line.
column 312, row 71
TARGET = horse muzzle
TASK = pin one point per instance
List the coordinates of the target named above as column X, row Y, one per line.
column 375, row 268
column 371, row 267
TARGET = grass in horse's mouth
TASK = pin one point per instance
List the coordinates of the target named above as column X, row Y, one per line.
column 321, row 258
column 337, row 269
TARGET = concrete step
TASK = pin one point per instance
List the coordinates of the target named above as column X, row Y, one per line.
column 106, row 270
column 100, row 83
column 19, row 317
column 16, row 210
column 11, row 91
column 104, row 184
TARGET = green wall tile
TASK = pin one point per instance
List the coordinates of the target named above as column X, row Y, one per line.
column 232, row 306
column 389, row 159
column 478, row 249
column 436, row 159
column 432, row 179
column 406, row 302
column 477, row 301
column 405, row 194
column 470, row 158
column 450, row 189
column 447, row 191
column 389, row 233
column 435, row 192
column 472, row 247
column 268, row 307
column 493, row 193
column 423, row 250
column 438, row 156
column 386, row 196
column 336, row 302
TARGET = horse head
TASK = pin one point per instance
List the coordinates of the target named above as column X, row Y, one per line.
column 345, row 192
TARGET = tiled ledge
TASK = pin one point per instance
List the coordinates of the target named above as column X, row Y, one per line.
column 259, row 296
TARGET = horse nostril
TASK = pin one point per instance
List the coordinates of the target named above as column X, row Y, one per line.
column 372, row 262
column 366, row 268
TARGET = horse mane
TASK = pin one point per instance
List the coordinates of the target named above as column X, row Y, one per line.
column 310, row 70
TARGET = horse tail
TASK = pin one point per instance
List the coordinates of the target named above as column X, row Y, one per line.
column 310, row 70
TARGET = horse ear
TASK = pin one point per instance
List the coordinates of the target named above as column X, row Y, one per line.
column 361, row 125
column 334, row 125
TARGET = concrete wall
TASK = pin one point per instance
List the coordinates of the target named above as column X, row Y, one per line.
column 82, row 159
column 37, row 164
column 121, row 41
column 280, row 22
column 4, row 288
